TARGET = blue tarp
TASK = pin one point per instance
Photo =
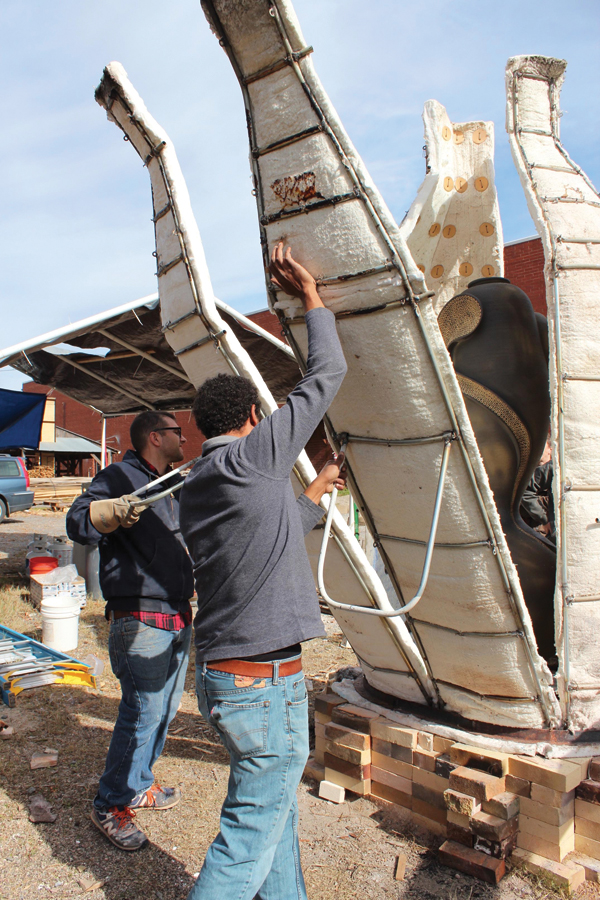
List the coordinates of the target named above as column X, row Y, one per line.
column 20, row 419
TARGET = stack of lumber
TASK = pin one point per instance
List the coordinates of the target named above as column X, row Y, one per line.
column 489, row 806
column 58, row 493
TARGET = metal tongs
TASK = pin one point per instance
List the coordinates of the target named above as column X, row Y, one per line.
column 147, row 501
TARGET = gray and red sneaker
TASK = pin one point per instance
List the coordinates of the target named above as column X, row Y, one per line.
column 118, row 826
column 156, row 797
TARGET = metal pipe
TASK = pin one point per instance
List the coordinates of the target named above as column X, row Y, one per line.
column 103, row 445
column 169, row 474
column 139, row 352
column 428, row 554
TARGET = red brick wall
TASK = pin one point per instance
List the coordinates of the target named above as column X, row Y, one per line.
column 524, row 266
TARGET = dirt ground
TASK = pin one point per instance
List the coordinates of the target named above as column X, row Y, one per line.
column 348, row 851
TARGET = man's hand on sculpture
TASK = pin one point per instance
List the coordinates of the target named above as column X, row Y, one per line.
column 333, row 474
column 107, row 515
column 293, row 278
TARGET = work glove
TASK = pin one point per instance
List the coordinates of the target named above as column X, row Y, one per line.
column 107, row 515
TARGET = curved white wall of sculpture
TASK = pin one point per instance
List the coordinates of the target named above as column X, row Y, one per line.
column 453, row 228
column 314, row 193
column 565, row 207
column 204, row 347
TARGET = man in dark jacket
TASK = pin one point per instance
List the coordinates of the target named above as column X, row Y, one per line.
column 257, row 602
column 146, row 579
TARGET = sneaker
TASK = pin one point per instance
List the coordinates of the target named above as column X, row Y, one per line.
column 156, row 797
column 118, row 826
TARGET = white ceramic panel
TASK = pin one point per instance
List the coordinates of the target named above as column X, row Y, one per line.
column 464, row 586
column 320, row 175
column 582, row 431
column 504, row 713
column 566, row 209
column 392, row 682
column 387, row 362
column 453, row 227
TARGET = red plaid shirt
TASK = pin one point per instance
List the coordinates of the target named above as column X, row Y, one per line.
column 164, row 621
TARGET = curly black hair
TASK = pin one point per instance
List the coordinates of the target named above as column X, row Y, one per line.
column 224, row 403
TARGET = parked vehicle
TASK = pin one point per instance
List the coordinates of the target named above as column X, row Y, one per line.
column 14, row 485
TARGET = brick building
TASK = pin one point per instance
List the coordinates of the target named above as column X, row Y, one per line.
column 524, row 266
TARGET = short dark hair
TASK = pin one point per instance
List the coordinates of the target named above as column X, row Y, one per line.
column 144, row 424
column 224, row 403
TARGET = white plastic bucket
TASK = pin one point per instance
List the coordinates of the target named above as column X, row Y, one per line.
column 60, row 622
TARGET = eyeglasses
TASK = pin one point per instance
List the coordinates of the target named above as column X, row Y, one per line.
column 170, row 428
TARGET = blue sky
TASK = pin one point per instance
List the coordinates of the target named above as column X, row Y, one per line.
column 76, row 231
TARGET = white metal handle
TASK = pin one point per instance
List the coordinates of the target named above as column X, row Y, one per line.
column 384, row 614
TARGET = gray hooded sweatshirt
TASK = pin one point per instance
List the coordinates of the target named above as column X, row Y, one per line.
column 244, row 527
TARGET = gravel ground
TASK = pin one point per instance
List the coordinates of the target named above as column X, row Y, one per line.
column 349, row 851
column 17, row 531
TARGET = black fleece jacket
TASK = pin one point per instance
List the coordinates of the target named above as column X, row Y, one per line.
column 145, row 567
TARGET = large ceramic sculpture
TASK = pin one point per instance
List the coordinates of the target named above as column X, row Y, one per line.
column 565, row 207
column 205, row 345
column 401, row 402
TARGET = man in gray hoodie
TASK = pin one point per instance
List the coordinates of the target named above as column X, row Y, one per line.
column 257, row 601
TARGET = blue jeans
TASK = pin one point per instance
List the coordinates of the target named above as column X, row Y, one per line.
column 264, row 726
column 150, row 664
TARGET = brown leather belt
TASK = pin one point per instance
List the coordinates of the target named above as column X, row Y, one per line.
column 255, row 669
column 119, row 613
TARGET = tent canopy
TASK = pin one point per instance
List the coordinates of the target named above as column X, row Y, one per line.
column 21, row 418
column 137, row 370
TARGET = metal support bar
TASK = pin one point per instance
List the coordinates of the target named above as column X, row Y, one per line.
column 277, row 66
column 428, row 554
column 252, row 326
column 337, row 279
column 552, row 168
column 165, row 268
column 308, row 207
column 200, row 343
column 162, row 212
column 257, row 152
column 566, row 377
column 537, row 131
column 142, row 353
column 567, row 240
column 366, row 310
column 467, row 545
column 569, row 200
column 105, row 381
column 577, row 266
column 398, row 442
column 103, row 445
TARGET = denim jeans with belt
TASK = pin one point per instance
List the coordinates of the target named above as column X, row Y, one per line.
column 151, row 665
column 264, row 725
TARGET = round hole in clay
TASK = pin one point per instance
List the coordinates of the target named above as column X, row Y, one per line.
column 446, row 133
column 437, row 271
column 435, row 229
column 486, row 229
column 449, row 231
column 448, row 183
column 465, row 269
column 488, row 271
column 461, row 184
column 459, row 137
column 479, row 135
column 481, row 183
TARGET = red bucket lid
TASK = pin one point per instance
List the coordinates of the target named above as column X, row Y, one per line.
column 38, row 565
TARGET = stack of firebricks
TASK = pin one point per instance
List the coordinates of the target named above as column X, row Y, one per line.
column 490, row 806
